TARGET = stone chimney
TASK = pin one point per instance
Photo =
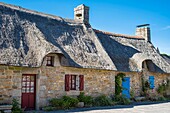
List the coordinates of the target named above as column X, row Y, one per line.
column 81, row 13
column 144, row 31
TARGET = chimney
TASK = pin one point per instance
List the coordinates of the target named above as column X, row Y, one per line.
column 81, row 13
column 144, row 31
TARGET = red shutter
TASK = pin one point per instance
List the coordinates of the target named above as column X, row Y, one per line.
column 67, row 82
column 81, row 88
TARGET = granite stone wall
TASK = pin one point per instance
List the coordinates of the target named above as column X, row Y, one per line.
column 50, row 82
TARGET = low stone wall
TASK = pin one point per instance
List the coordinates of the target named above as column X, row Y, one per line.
column 6, row 108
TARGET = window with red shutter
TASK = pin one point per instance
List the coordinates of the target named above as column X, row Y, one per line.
column 67, row 82
column 73, row 81
column 81, row 86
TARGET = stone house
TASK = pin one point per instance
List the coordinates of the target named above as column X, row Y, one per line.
column 44, row 56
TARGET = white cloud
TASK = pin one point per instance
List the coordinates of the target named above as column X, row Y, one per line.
column 166, row 28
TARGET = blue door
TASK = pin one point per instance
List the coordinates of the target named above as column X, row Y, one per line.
column 126, row 87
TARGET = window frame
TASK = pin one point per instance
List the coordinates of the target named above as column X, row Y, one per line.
column 73, row 82
column 51, row 60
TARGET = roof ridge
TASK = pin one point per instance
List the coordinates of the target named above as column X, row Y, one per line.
column 118, row 35
column 19, row 8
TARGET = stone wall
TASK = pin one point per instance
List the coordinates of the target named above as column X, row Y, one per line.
column 10, row 84
column 50, row 82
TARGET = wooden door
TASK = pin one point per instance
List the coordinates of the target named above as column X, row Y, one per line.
column 28, row 92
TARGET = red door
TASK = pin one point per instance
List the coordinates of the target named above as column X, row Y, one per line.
column 28, row 92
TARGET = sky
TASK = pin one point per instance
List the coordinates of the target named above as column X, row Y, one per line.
column 117, row 16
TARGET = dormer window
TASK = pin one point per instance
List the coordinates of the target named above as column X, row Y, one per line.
column 149, row 65
column 50, row 61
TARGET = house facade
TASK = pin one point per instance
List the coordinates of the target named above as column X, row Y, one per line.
column 44, row 56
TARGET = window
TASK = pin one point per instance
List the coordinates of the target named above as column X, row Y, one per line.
column 74, row 82
column 28, row 84
column 50, row 61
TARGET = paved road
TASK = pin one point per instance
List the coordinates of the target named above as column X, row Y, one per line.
column 144, row 108
column 154, row 108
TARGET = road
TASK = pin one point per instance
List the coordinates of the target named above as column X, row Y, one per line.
column 135, row 108
column 154, row 108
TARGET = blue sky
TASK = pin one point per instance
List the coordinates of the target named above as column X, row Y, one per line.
column 118, row 16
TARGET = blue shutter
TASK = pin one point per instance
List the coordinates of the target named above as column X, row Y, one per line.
column 126, row 87
column 151, row 82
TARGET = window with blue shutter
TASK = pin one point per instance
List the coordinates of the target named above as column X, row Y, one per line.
column 151, row 82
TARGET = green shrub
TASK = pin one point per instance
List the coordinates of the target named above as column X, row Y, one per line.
column 119, row 99
column 145, row 88
column 162, row 98
column 55, row 102
column 88, row 100
column 118, row 83
column 65, row 105
column 71, row 101
column 15, row 106
column 103, row 101
column 162, row 88
column 132, row 94
column 65, row 102
column 49, row 108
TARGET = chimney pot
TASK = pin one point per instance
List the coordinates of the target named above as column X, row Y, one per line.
column 144, row 31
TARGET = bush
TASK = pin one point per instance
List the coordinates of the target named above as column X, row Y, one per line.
column 65, row 102
column 15, row 106
column 71, row 101
column 88, row 100
column 103, row 101
column 162, row 89
column 161, row 98
column 49, row 108
column 132, row 94
column 56, row 102
column 119, row 99
column 118, row 83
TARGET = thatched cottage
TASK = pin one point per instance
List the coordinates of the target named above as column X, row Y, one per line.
column 44, row 56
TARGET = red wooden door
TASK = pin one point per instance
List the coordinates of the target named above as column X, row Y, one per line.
column 28, row 92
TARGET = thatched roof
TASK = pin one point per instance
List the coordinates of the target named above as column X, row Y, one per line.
column 128, row 53
column 166, row 57
column 26, row 37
